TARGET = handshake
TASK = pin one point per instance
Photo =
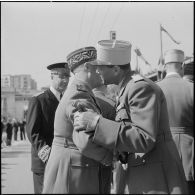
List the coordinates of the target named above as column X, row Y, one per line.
column 86, row 121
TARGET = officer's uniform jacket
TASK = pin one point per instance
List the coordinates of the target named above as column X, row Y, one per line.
column 179, row 95
column 76, row 164
column 40, row 125
column 106, row 104
column 142, row 130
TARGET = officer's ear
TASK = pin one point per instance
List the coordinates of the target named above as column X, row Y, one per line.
column 87, row 66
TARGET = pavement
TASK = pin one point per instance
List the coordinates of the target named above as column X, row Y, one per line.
column 16, row 175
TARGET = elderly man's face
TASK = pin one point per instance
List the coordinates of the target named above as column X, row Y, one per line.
column 60, row 79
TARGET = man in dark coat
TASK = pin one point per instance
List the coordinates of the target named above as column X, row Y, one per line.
column 15, row 126
column 9, row 131
column 179, row 95
column 40, row 121
column 76, row 165
column 22, row 125
column 141, row 133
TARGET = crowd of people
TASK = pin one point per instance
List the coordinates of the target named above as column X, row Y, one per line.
column 12, row 130
column 100, row 125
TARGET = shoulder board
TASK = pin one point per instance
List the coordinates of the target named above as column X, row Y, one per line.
column 81, row 87
column 38, row 94
column 137, row 78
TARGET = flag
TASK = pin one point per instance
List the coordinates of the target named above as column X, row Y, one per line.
column 163, row 29
column 138, row 52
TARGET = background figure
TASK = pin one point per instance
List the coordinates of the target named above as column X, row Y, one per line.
column 2, row 128
column 3, row 132
column 179, row 95
column 9, row 131
column 40, row 121
column 140, row 133
column 188, row 69
column 22, row 125
column 189, row 78
column 15, row 126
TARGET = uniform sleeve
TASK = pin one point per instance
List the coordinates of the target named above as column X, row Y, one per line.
column 83, row 140
column 139, row 134
column 33, row 124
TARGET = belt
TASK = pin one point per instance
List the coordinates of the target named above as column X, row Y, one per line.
column 187, row 130
column 137, row 159
column 64, row 142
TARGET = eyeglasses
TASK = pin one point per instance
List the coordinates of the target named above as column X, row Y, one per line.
column 61, row 76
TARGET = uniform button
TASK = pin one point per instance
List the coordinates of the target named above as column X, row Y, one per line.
column 144, row 161
column 87, row 165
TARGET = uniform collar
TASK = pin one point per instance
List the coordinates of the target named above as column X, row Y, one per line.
column 123, row 83
column 101, row 90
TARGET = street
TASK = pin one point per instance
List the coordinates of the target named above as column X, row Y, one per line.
column 16, row 175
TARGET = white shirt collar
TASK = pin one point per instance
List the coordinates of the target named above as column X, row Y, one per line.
column 172, row 73
column 55, row 92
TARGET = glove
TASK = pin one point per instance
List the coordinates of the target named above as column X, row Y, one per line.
column 43, row 154
column 86, row 121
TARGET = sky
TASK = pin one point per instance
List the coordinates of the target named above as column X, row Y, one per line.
column 36, row 34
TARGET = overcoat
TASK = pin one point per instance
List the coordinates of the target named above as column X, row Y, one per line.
column 179, row 95
column 142, row 129
column 76, row 164
column 40, row 125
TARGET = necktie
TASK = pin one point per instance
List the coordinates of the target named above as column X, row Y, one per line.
column 61, row 96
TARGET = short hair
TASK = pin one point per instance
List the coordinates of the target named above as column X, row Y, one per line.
column 124, row 67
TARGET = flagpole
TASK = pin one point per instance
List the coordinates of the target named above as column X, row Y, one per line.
column 161, row 56
column 161, row 47
column 137, row 66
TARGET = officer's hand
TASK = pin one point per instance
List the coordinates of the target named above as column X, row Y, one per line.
column 86, row 121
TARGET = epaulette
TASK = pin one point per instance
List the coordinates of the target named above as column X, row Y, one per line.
column 38, row 94
column 137, row 78
column 81, row 88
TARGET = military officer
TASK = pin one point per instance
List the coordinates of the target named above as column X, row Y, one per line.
column 179, row 95
column 188, row 70
column 141, row 132
column 40, row 121
column 76, row 164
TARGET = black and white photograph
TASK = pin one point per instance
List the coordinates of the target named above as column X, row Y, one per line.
column 97, row 97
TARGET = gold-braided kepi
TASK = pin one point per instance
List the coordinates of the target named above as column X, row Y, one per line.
column 80, row 56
